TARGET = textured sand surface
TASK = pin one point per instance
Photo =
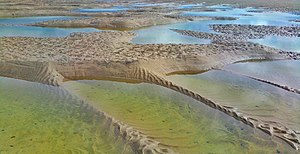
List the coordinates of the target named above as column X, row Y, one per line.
column 108, row 55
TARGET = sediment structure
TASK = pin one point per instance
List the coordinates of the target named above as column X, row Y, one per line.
column 230, row 33
column 256, row 31
column 137, row 140
column 285, row 87
column 108, row 55
column 214, row 37
column 130, row 22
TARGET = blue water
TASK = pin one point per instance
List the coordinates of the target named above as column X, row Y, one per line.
column 280, row 42
column 189, row 6
column 31, row 20
column 14, row 27
column 148, row 4
column 112, row 9
column 163, row 34
column 265, row 18
column 221, row 7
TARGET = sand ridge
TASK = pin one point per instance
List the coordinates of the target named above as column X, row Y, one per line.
column 108, row 55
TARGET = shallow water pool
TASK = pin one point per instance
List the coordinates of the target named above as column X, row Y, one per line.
column 36, row 118
column 280, row 42
column 13, row 27
column 31, row 20
column 253, row 98
column 175, row 120
column 283, row 72
column 163, row 34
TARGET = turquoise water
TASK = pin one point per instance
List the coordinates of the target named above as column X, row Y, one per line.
column 12, row 27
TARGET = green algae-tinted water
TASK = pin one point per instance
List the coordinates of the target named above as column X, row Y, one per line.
column 177, row 121
column 283, row 72
column 36, row 118
column 251, row 97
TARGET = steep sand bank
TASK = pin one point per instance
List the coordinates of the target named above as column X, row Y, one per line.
column 108, row 55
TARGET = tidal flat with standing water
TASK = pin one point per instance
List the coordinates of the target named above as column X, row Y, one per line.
column 38, row 118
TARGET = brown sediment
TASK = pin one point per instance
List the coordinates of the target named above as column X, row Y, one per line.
column 121, row 23
column 213, row 37
column 187, row 72
column 241, row 33
column 108, row 55
column 284, row 87
column 16, row 8
column 256, row 31
column 42, row 72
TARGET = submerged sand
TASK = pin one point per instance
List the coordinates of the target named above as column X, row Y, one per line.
column 109, row 55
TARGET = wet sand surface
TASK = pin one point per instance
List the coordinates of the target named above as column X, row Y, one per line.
column 175, row 120
column 281, row 72
column 146, row 118
column 37, row 118
column 250, row 97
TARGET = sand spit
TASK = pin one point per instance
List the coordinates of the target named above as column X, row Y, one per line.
column 108, row 55
column 256, row 31
column 214, row 37
column 130, row 22
column 285, row 87
column 229, row 34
